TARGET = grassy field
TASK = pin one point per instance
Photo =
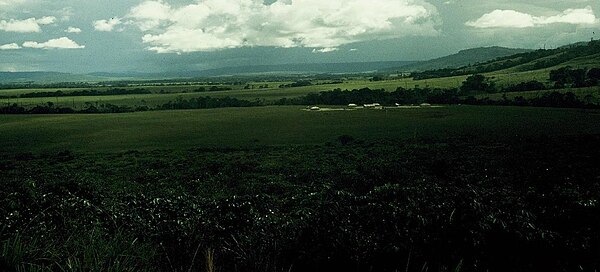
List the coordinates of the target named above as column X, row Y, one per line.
column 247, row 127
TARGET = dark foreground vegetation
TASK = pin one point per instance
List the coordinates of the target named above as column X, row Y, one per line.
column 448, row 205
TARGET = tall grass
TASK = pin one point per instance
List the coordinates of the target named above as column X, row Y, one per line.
column 95, row 251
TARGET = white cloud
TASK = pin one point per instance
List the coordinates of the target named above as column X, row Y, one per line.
column 325, row 50
column 149, row 14
column 210, row 25
column 60, row 43
column 73, row 30
column 10, row 2
column 106, row 25
column 515, row 19
column 66, row 13
column 27, row 25
column 10, row 46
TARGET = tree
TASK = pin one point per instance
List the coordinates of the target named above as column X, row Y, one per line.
column 593, row 76
column 477, row 83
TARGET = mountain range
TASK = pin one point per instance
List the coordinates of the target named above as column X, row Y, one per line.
column 473, row 60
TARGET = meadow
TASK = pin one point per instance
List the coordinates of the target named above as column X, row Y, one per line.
column 279, row 125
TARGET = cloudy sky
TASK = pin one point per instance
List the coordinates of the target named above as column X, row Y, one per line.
column 170, row 35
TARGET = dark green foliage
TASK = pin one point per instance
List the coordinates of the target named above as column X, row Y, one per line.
column 522, row 205
column 12, row 109
column 594, row 74
column 552, row 99
column 300, row 83
column 377, row 78
column 568, row 76
column 532, row 85
column 345, row 139
column 476, row 84
column 207, row 103
column 115, row 91
column 212, row 89
column 180, row 103
column 368, row 96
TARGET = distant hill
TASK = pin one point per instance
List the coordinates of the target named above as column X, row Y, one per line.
column 46, row 77
column 462, row 58
column 581, row 55
column 303, row 68
column 319, row 68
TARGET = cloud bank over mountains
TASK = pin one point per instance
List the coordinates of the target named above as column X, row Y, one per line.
column 215, row 24
column 515, row 19
column 162, row 34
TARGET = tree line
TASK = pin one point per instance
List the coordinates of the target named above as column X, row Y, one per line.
column 180, row 103
column 432, row 96
column 114, row 91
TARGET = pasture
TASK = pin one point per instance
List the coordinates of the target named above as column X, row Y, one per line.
column 280, row 125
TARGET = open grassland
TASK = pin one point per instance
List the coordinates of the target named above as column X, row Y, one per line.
column 248, row 127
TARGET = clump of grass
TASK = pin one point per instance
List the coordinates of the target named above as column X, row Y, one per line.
column 209, row 255
column 95, row 251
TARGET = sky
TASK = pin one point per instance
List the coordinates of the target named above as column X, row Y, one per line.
column 78, row 36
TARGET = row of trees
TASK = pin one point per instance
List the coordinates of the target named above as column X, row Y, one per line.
column 433, row 96
column 565, row 77
column 368, row 96
column 180, row 103
column 207, row 103
column 576, row 78
column 114, row 91
column 552, row 99
column 477, row 84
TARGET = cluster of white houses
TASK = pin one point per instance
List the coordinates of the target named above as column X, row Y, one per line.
column 368, row 106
